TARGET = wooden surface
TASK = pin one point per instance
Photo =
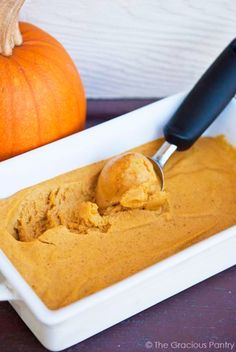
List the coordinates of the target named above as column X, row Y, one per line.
column 202, row 314
column 137, row 48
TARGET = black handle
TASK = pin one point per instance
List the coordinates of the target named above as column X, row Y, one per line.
column 205, row 101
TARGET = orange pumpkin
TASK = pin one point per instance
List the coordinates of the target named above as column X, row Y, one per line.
column 41, row 94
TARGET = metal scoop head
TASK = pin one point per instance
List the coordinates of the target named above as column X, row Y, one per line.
column 160, row 158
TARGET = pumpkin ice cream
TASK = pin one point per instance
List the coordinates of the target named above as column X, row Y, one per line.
column 129, row 180
column 78, row 233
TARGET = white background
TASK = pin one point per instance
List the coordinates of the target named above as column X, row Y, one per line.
column 137, row 48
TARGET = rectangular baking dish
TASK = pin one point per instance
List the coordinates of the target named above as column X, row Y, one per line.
column 61, row 328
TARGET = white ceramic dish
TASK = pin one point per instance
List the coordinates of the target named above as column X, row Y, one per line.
column 64, row 327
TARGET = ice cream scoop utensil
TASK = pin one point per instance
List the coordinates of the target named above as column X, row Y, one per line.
column 199, row 109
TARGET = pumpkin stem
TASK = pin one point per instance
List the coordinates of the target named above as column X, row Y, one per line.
column 10, row 34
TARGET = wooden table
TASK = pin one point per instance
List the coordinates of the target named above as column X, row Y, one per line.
column 205, row 313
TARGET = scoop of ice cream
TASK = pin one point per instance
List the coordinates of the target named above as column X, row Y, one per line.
column 129, row 180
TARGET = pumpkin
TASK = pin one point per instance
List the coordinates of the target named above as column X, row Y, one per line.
column 41, row 94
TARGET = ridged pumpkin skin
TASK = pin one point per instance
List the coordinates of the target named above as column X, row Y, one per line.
column 41, row 94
